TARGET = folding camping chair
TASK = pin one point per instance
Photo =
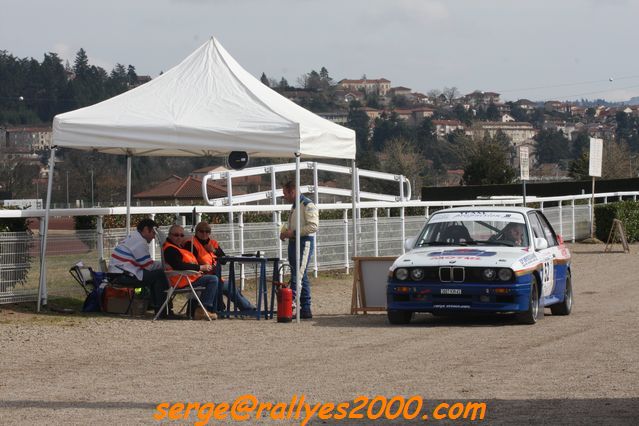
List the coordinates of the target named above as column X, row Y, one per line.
column 83, row 276
column 174, row 289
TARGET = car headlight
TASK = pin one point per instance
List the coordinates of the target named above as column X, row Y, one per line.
column 417, row 274
column 505, row 274
column 488, row 274
column 401, row 274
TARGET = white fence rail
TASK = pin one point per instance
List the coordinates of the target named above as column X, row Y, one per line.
column 379, row 235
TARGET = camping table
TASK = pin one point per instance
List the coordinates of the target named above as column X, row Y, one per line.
column 262, row 292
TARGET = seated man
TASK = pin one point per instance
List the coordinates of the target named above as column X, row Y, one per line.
column 179, row 259
column 207, row 251
column 131, row 258
column 515, row 233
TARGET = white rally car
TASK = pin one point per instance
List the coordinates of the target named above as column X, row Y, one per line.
column 476, row 259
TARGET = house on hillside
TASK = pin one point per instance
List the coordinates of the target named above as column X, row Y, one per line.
column 400, row 91
column 339, row 117
column 22, row 144
column 445, row 127
column 379, row 86
column 526, row 105
column 517, row 132
column 479, row 98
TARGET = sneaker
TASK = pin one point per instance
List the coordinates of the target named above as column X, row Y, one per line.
column 306, row 313
column 200, row 315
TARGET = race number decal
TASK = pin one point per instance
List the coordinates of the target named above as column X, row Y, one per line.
column 547, row 276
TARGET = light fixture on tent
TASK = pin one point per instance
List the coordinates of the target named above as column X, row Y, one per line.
column 237, row 160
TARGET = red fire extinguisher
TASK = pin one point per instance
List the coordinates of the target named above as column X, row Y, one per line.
column 284, row 303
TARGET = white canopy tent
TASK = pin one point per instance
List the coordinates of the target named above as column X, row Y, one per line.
column 206, row 105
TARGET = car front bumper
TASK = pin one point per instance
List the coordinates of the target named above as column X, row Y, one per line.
column 458, row 297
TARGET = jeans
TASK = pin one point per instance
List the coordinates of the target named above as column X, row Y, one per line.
column 211, row 291
column 238, row 298
column 306, row 249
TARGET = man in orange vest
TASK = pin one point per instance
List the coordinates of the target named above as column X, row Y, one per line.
column 208, row 251
column 179, row 259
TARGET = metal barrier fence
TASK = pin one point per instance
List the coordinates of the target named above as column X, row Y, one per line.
column 379, row 235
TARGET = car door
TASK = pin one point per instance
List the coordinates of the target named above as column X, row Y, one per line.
column 546, row 255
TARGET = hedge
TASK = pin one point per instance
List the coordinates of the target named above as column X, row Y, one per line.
column 626, row 211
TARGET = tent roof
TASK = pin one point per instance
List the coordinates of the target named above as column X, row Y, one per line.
column 206, row 105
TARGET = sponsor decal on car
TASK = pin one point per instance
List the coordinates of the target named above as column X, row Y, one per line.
column 471, row 253
column 528, row 260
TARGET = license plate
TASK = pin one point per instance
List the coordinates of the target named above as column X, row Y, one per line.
column 450, row 291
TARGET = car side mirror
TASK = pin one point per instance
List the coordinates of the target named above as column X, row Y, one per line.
column 409, row 243
column 541, row 243
column 560, row 239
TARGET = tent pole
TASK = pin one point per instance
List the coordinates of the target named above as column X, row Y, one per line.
column 128, row 195
column 298, row 280
column 42, row 288
column 354, row 200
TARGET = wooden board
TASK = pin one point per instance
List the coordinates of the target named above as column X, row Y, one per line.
column 617, row 234
column 369, row 283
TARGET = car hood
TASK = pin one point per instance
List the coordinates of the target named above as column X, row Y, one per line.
column 516, row 258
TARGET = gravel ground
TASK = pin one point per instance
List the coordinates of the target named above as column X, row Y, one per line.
column 580, row 369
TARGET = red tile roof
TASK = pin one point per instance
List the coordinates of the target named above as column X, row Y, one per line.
column 183, row 188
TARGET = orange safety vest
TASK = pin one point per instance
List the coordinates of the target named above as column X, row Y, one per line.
column 187, row 257
column 205, row 254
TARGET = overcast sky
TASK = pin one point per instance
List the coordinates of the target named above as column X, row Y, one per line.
column 541, row 49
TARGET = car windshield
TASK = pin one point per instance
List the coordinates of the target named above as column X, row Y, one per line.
column 477, row 227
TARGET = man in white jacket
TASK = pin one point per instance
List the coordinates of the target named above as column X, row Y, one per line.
column 131, row 258
column 309, row 222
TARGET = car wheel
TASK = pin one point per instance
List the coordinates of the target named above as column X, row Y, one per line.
column 531, row 315
column 564, row 307
column 399, row 317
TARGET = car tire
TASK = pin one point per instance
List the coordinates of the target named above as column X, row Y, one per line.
column 531, row 315
column 399, row 317
column 565, row 307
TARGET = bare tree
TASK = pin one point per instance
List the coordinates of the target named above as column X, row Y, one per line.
column 401, row 156
column 434, row 95
column 618, row 161
column 450, row 93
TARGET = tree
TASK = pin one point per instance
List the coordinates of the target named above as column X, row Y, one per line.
column 579, row 168
column 462, row 114
column 325, row 79
column 492, row 113
column 311, row 81
column 283, row 84
column 450, row 93
column 617, row 162
column 552, row 146
column 132, row 76
column 81, row 64
column 264, row 80
column 388, row 127
column 118, row 81
column 359, row 121
column 517, row 112
column 434, row 95
column 580, row 145
column 401, row 157
column 488, row 163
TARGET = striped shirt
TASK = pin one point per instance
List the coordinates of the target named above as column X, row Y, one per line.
column 132, row 255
